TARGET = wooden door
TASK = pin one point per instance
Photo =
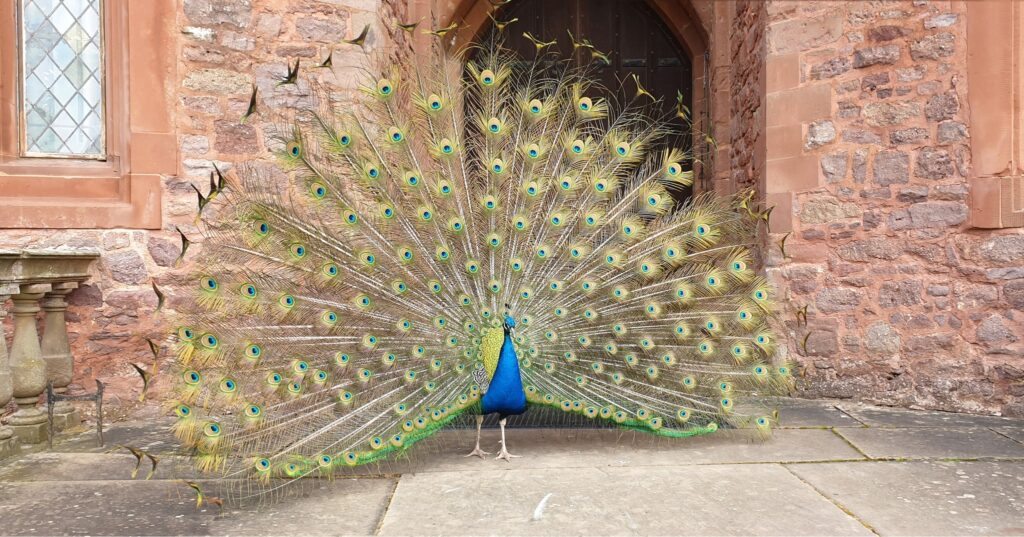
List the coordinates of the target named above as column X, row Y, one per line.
column 636, row 38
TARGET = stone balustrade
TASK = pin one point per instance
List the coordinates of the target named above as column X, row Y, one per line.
column 37, row 280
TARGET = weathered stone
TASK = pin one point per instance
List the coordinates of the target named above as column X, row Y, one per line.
column 87, row 295
column 1003, row 249
column 800, row 34
column 847, row 110
column 913, row 194
column 237, row 41
column 867, row 57
column 940, row 21
column 870, row 82
column 938, row 290
column 1013, row 292
column 836, row 299
column 115, row 240
column 957, row 192
column 820, row 133
column 885, row 113
column 875, row 247
column 942, row 106
column 933, row 163
column 911, row 74
column 321, row 30
column 858, row 136
column 882, row 338
column 904, row 293
column 164, row 252
column 891, row 167
column 218, row 81
column 951, row 131
column 994, row 330
column 860, row 165
column 876, row 193
column 908, row 136
column 822, row 343
column 933, row 214
column 210, row 12
column 833, row 167
column 821, row 210
column 831, row 68
column 1005, row 273
column 235, row 138
column 195, row 145
column 886, row 33
column 203, row 104
column 126, row 266
column 269, row 25
column 933, row 47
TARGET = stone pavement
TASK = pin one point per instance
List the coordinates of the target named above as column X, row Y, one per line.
column 832, row 468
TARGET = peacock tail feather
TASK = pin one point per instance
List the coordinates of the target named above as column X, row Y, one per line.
column 344, row 297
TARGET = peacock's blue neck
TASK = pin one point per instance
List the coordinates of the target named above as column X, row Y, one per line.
column 505, row 393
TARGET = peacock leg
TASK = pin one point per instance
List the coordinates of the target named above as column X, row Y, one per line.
column 504, row 452
column 477, row 451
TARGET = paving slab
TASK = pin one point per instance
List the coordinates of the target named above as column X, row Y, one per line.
column 350, row 506
column 933, row 442
column 50, row 466
column 152, row 435
column 695, row 500
column 1016, row 433
column 810, row 413
column 555, row 448
column 926, row 497
column 876, row 416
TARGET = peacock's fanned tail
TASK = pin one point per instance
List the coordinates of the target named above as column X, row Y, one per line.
column 343, row 292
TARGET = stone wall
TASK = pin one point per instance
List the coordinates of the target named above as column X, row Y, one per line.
column 747, row 93
column 867, row 125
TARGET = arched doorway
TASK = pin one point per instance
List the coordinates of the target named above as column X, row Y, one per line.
column 635, row 37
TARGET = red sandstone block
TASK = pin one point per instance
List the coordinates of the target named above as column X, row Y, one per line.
column 782, row 72
column 799, row 105
column 792, row 174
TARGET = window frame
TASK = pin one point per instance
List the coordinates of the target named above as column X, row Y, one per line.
column 124, row 190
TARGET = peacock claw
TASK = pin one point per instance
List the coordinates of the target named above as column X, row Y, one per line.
column 478, row 452
column 505, row 455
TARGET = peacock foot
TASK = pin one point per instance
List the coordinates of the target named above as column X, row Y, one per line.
column 478, row 452
column 505, row 455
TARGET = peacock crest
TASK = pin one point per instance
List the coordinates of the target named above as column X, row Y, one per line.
column 347, row 298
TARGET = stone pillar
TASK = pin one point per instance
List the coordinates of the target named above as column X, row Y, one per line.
column 8, row 440
column 28, row 369
column 56, row 352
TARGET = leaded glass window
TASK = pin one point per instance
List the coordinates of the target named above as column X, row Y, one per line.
column 62, row 78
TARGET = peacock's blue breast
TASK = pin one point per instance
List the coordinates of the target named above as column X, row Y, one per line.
column 505, row 393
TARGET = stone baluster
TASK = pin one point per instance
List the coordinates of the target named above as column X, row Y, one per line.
column 28, row 369
column 8, row 440
column 56, row 352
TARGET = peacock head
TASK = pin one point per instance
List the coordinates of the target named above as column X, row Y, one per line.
column 509, row 323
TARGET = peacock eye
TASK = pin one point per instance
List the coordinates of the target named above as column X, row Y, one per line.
column 262, row 228
column 248, row 290
column 434, row 101
column 294, row 149
column 345, row 140
column 585, row 103
column 208, row 284
column 494, row 125
column 536, row 106
column 622, row 149
column 395, row 135
column 318, row 191
column 487, row 77
column 385, row 87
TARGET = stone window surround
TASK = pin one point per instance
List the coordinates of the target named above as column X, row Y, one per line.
column 124, row 191
column 995, row 83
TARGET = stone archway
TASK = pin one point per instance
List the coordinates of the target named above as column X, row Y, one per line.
column 693, row 27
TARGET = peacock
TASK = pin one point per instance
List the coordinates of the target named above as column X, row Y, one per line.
column 476, row 234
